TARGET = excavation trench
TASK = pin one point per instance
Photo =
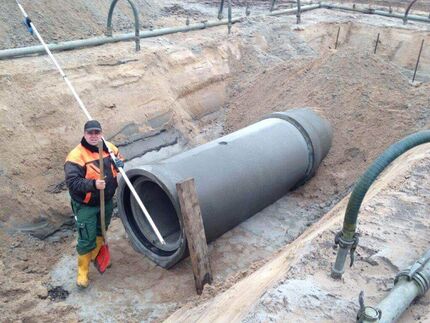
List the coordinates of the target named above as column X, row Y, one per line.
column 204, row 88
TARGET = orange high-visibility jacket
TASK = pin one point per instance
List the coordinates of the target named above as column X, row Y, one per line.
column 82, row 170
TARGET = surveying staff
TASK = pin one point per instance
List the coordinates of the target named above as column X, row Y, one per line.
column 83, row 180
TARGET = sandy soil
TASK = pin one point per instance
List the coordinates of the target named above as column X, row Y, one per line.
column 57, row 20
column 358, row 92
column 92, row 16
column 295, row 283
column 386, row 247
column 203, row 85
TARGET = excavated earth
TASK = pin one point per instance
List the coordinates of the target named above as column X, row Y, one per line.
column 183, row 90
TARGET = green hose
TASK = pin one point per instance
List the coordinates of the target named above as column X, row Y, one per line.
column 347, row 239
column 366, row 180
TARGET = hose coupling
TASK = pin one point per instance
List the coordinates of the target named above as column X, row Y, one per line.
column 27, row 23
column 345, row 245
column 415, row 273
column 367, row 313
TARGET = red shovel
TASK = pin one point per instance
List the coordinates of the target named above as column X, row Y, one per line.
column 103, row 258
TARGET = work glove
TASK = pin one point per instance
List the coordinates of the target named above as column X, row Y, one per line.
column 27, row 23
column 118, row 163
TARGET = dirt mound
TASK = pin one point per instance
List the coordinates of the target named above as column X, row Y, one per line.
column 60, row 20
column 368, row 102
column 130, row 93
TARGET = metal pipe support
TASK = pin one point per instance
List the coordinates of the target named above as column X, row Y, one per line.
column 136, row 22
column 405, row 18
column 299, row 12
column 272, row 5
column 220, row 10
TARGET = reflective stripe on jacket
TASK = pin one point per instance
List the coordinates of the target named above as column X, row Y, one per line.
column 82, row 170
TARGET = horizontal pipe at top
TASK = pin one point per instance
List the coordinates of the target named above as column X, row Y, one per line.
column 375, row 12
column 97, row 41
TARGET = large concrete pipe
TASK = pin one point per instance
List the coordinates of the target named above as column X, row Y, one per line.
column 236, row 176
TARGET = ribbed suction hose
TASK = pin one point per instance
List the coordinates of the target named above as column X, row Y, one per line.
column 347, row 238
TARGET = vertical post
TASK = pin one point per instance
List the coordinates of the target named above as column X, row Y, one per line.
column 418, row 60
column 299, row 9
column 376, row 45
column 272, row 5
column 220, row 10
column 337, row 38
column 102, row 192
column 229, row 16
column 195, row 233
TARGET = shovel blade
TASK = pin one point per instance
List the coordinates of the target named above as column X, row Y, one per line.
column 103, row 259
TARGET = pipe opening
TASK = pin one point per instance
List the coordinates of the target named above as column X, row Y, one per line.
column 162, row 212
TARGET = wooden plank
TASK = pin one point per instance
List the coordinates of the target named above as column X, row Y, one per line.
column 233, row 304
column 195, row 233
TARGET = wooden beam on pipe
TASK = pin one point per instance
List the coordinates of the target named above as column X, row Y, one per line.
column 195, row 233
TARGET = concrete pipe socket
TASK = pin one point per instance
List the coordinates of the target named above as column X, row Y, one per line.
column 236, row 176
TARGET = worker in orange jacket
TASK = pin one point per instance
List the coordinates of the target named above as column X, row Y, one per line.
column 83, row 180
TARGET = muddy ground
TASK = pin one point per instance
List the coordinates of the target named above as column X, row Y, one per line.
column 195, row 87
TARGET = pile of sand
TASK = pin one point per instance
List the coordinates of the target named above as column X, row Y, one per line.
column 368, row 102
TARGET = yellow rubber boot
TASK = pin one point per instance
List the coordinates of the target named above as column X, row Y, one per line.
column 83, row 268
column 99, row 243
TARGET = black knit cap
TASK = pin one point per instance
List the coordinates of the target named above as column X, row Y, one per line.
column 92, row 125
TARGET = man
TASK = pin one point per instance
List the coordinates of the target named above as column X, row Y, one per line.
column 83, row 180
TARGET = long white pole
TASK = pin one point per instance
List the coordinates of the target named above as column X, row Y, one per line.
column 87, row 114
